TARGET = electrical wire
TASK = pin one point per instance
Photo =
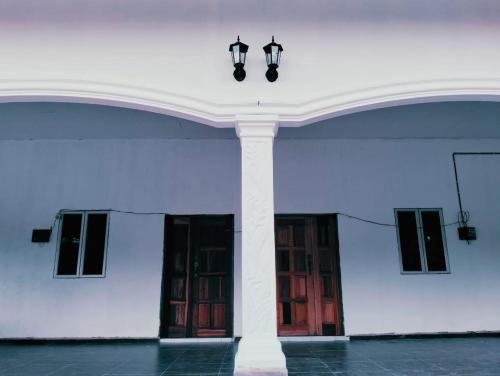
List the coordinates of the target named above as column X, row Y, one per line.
column 114, row 210
column 367, row 220
column 384, row 224
column 463, row 218
column 62, row 211
column 464, row 215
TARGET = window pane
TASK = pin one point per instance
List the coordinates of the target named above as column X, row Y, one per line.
column 95, row 242
column 408, row 238
column 433, row 240
column 70, row 244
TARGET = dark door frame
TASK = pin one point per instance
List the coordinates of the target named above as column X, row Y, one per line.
column 336, row 254
column 166, row 270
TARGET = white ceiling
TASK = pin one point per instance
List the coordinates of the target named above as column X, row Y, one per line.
column 244, row 11
column 172, row 57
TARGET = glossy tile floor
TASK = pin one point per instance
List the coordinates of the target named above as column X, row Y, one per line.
column 458, row 356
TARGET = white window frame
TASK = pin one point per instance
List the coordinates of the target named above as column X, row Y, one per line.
column 421, row 244
column 81, row 249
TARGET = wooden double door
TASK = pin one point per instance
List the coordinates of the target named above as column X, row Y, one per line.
column 308, row 276
column 197, row 277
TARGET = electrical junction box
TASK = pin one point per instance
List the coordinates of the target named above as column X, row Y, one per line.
column 41, row 235
column 467, row 233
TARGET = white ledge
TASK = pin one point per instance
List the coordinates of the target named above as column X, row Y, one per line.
column 225, row 115
column 196, row 340
column 314, row 339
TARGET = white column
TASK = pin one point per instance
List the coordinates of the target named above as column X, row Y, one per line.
column 259, row 351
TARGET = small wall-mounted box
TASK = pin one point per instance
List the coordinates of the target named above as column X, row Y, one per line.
column 41, row 235
column 467, row 233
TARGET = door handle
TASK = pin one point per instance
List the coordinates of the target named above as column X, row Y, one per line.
column 309, row 263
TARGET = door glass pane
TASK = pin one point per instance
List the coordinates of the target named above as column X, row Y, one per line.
column 214, row 288
column 325, row 261
column 70, row 244
column 213, row 234
column 284, row 287
column 95, row 243
column 327, row 287
column 180, row 247
column 283, row 261
column 408, row 238
column 299, row 236
column 203, row 261
column 322, row 232
column 300, row 261
column 179, row 263
column 217, row 261
column 178, row 289
column 286, row 314
column 433, row 240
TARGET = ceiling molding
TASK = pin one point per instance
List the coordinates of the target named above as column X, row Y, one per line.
column 224, row 115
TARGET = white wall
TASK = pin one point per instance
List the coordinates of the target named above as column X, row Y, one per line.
column 39, row 177
column 130, row 160
column 369, row 178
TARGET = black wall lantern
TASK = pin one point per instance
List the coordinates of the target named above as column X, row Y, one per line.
column 238, row 53
column 273, row 54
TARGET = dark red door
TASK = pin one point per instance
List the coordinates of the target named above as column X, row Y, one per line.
column 307, row 270
column 197, row 285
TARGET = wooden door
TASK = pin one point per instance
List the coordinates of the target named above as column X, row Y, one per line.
column 197, row 283
column 308, row 291
column 212, row 282
column 294, row 276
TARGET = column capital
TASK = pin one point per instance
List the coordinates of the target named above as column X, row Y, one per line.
column 257, row 125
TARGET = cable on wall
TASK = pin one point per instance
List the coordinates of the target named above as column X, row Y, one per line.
column 381, row 223
column 373, row 222
column 62, row 211
column 465, row 232
column 464, row 215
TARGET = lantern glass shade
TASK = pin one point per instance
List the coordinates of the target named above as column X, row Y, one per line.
column 273, row 53
column 238, row 52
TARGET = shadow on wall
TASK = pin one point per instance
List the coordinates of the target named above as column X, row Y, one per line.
column 19, row 121
column 428, row 120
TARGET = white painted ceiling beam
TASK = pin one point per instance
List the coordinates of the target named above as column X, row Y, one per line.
column 339, row 56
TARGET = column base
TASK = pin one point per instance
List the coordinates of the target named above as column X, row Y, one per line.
column 260, row 357
column 260, row 372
